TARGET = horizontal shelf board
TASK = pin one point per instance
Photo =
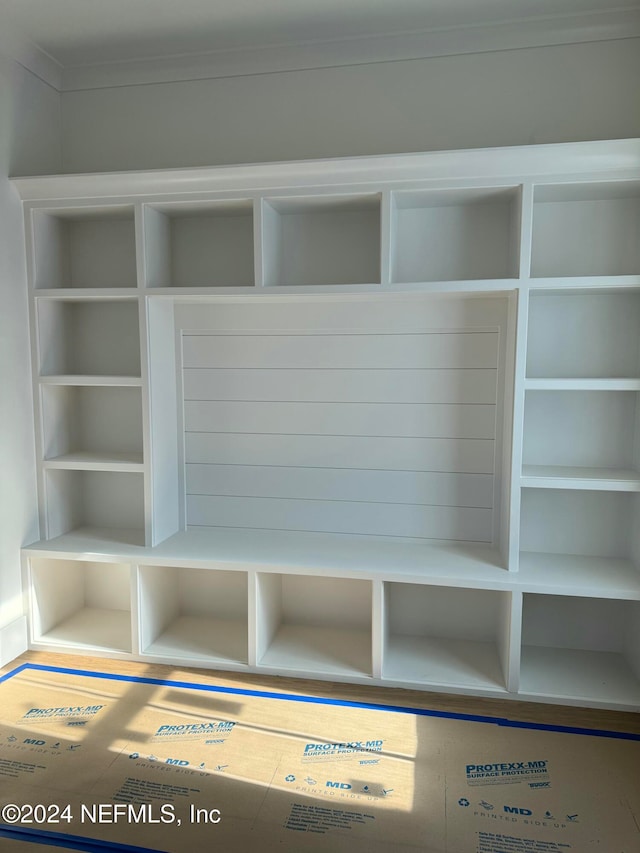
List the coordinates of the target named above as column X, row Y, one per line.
column 87, row 294
column 81, row 379
column 481, row 287
column 84, row 460
column 578, row 674
column 473, row 565
column 320, row 650
column 436, row 661
column 585, row 283
column 569, row 574
column 92, row 628
column 213, row 640
column 568, row 477
column 582, row 384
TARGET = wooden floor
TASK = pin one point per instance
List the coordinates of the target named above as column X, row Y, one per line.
column 523, row 711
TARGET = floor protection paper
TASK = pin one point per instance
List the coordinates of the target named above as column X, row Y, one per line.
column 97, row 762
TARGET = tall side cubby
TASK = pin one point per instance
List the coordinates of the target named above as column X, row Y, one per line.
column 580, row 510
column 372, row 420
column 88, row 370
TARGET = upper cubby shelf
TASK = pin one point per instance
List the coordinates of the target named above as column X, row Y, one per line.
column 199, row 244
column 321, row 240
column 85, row 248
column 586, row 229
column 454, row 235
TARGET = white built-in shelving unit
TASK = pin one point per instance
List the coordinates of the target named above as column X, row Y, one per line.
column 371, row 420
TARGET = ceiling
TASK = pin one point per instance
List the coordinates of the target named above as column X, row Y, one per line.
column 84, row 32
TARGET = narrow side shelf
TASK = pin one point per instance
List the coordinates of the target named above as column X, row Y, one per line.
column 568, row 477
column 85, row 460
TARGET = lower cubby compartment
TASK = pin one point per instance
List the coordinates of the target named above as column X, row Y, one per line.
column 81, row 605
column 581, row 649
column 446, row 636
column 314, row 624
column 197, row 614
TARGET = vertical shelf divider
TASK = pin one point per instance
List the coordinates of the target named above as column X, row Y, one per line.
column 136, row 615
column 259, row 241
column 386, row 237
column 514, row 643
column 520, row 366
column 253, row 617
column 377, row 626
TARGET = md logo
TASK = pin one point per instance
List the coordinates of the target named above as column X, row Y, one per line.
column 176, row 762
column 516, row 810
column 34, row 742
column 344, row 786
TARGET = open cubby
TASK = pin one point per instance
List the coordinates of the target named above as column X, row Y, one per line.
column 586, row 229
column 92, row 425
column 593, row 432
column 200, row 244
column 194, row 614
column 584, row 523
column 583, row 334
column 450, row 235
column 445, row 636
column 99, row 338
column 81, row 605
column 85, row 248
column 314, row 624
column 94, row 499
column 581, row 648
column 332, row 240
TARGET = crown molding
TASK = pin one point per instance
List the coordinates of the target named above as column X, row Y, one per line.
column 14, row 45
column 508, row 35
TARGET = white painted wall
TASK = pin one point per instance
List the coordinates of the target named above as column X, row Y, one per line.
column 551, row 94
column 29, row 143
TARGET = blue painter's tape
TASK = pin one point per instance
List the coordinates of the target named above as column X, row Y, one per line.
column 69, row 842
column 318, row 700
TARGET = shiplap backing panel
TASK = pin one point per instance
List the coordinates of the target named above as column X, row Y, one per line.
column 382, row 519
column 357, row 431
column 416, row 487
column 364, row 351
column 435, row 386
column 465, row 456
column 373, row 419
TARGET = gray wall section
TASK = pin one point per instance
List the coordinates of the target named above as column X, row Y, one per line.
column 518, row 97
column 29, row 143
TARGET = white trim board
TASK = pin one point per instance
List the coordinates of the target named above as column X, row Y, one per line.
column 556, row 162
